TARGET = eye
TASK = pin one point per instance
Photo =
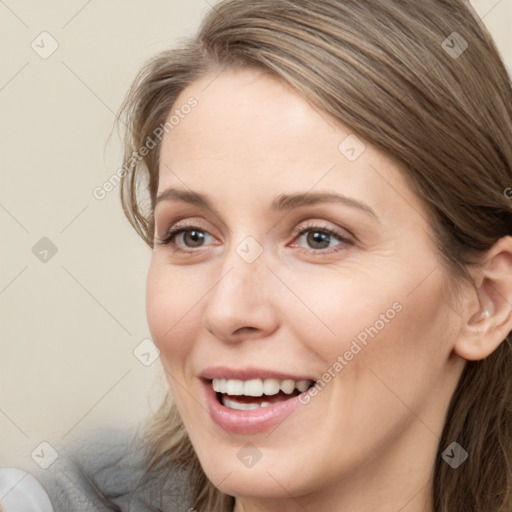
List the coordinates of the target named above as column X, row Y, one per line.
column 319, row 238
column 188, row 236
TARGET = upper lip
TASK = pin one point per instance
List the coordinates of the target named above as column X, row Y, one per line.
column 224, row 372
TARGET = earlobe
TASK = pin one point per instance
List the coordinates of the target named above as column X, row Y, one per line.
column 487, row 311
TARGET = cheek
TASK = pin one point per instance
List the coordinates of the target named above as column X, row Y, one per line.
column 170, row 315
column 405, row 342
column 334, row 309
column 170, row 311
column 393, row 326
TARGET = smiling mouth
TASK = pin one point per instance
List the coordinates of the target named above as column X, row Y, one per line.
column 246, row 395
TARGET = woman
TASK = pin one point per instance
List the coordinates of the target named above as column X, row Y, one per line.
column 322, row 185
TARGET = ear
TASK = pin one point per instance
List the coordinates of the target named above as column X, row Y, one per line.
column 487, row 310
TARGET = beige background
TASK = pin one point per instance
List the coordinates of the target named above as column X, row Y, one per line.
column 69, row 326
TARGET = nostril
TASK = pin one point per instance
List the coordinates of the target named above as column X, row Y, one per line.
column 247, row 329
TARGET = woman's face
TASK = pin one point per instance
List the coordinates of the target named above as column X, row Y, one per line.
column 304, row 257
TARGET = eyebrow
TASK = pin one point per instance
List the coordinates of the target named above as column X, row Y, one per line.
column 283, row 202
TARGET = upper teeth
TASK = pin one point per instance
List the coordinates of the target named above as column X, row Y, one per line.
column 259, row 387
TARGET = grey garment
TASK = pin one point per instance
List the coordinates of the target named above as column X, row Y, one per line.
column 102, row 474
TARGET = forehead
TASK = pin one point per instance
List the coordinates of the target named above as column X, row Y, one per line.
column 252, row 131
column 245, row 108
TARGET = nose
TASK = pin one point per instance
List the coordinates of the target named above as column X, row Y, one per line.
column 242, row 304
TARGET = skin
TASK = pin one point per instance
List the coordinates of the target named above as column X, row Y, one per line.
column 368, row 441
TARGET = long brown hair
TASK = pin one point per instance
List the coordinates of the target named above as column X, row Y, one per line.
column 423, row 82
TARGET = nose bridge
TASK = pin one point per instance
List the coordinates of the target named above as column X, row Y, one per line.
column 244, row 270
column 242, row 295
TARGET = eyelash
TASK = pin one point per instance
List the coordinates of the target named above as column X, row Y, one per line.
column 297, row 232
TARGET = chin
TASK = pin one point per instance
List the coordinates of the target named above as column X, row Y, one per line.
column 260, row 481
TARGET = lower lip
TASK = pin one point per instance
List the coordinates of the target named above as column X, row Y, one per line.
column 248, row 422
